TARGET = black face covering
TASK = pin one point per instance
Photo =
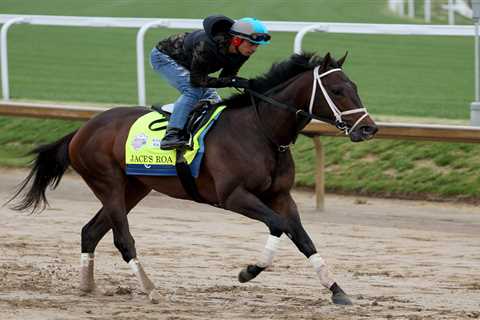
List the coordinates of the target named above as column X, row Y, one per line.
column 223, row 41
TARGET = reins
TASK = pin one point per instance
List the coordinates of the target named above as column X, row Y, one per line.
column 286, row 106
column 302, row 118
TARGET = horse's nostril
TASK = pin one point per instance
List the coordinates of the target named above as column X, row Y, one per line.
column 369, row 130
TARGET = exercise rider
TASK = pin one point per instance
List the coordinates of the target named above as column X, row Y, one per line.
column 185, row 60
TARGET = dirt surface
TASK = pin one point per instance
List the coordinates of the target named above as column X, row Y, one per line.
column 396, row 259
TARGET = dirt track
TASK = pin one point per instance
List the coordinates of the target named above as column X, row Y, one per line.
column 397, row 260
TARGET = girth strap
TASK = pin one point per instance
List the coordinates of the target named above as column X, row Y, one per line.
column 186, row 179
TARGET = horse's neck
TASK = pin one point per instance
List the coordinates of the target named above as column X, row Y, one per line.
column 279, row 123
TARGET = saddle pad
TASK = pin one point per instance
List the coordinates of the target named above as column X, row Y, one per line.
column 143, row 155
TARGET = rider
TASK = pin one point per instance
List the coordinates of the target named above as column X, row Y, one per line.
column 185, row 60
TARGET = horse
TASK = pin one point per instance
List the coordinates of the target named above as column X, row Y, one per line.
column 254, row 131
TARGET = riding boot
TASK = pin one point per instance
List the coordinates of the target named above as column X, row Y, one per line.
column 173, row 139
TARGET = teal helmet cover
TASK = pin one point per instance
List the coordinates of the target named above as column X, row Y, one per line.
column 252, row 30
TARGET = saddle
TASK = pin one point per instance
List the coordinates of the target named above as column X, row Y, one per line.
column 198, row 117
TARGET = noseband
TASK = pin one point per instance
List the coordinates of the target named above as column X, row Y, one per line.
column 339, row 123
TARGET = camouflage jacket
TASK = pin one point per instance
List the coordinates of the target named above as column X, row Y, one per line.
column 204, row 52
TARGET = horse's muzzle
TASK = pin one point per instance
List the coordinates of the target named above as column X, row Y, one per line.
column 363, row 133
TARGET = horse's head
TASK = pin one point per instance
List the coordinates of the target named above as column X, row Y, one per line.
column 335, row 97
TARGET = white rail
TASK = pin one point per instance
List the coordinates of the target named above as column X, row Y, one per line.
column 143, row 24
column 3, row 55
column 142, row 99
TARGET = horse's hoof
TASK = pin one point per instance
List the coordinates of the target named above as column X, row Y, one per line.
column 248, row 273
column 87, row 288
column 245, row 276
column 154, row 297
column 341, row 298
column 83, row 293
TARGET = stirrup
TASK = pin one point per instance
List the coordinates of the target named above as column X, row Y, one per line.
column 181, row 141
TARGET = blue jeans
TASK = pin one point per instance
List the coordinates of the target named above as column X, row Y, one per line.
column 179, row 78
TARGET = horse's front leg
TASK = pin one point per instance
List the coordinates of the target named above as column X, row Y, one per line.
column 284, row 204
column 265, row 260
column 244, row 202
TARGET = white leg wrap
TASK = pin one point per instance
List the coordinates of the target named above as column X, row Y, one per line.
column 137, row 269
column 86, row 259
column 321, row 269
column 87, row 283
column 146, row 284
column 134, row 265
column 269, row 251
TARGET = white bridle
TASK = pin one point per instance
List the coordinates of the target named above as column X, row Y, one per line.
column 336, row 112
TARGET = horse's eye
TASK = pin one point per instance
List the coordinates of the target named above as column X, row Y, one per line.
column 337, row 92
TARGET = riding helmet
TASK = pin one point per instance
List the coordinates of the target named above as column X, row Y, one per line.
column 252, row 30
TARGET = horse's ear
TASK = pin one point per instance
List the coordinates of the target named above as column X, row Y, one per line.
column 326, row 61
column 341, row 61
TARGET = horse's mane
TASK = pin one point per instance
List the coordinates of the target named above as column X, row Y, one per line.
column 278, row 73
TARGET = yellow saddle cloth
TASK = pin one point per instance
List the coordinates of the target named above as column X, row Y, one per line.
column 143, row 155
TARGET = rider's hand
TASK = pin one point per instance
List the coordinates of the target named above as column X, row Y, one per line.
column 238, row 82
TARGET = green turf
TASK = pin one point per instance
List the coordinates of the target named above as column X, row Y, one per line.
column 397, row 75
column 303, row 10
column 371, row 11
column 19, row 135
column 389, row 167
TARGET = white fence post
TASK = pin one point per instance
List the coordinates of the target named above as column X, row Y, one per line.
column 411, row 9
column 427, row 11
column 401, row 8
column 142, row 100
column 451, row 12
column 4, row 55
column 391, row 5
column 475, row 106
column 297, row 44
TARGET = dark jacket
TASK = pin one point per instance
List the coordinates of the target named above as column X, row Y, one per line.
column 204, row 52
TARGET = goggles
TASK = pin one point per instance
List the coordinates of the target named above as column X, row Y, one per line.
column 257, row 38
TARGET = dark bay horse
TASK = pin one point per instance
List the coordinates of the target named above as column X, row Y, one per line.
column 253, row 132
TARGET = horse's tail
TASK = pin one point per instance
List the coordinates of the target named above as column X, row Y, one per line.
column 48, row 167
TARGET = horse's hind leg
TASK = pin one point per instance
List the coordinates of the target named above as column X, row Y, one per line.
column 120, row 200
column 92, row 232
column 97, row 227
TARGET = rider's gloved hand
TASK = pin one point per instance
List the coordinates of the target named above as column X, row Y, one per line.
column 237, row 82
